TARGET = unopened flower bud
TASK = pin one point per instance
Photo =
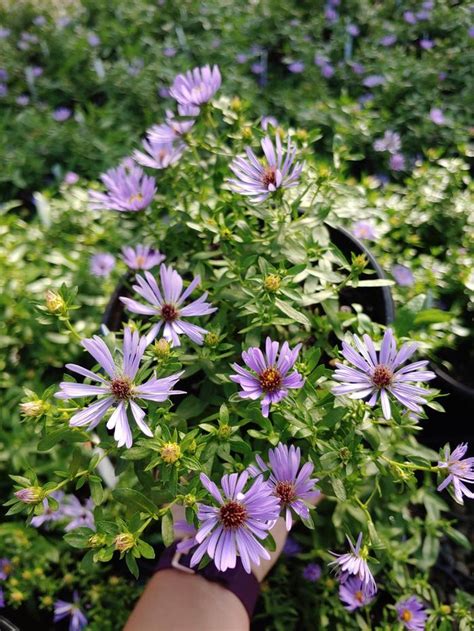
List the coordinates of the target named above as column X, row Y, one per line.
column 33, row 408
column 68, row 579
column 30, row 495
column 114, row 580
column 124, row 541
column 162, row 348
column 17, row 596
column 26, row 575
column 344, row 454
column 359, row 263
column 54, row 302
column 236, row 104
column 189, row 500
column 272, row 282
column 445, row 610
column 47, row 601
column 224, row 431
column 170, row 452
column 211, row 339
column 302, row 134
column 96, row 541
column 246, row 133
column 225, row 233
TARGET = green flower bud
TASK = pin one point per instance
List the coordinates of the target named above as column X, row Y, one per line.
column 170, row 452
column 124, row 541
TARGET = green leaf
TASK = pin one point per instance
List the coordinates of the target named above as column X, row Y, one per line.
column 291, row 312
column 97, row 491
column 79, row 537
column 132, row 497
column 339, row 490
column 145, row 549
column 52, row 439
column 167, row 530
column 132, row 564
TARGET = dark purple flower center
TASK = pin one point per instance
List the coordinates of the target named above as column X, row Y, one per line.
column 382, row 376
column 286, row 492
column 121, row 388
column 270, row 379
column 169, row 313
column 233, row 514
column 269, row 176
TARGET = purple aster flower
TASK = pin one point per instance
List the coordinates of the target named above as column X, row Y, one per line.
column 426, row 44
column 22, row 100
column 141, row 257
column 80, row 515
column 296, row 67
column 5, row 568
column 39, row 20
column 128, row 189
column 428, row 5
column 412, row 613
column 159, row 155
column 409, row 17
column 327, row 71
column 169, row 51
column 63, row 21
column 293, row 487
column 271, row 379
column 3, row 74
column 93, row 40
column 390, row 142
column 49, row 514
column 354, row 593
column 403, row 275
column 291, row 547
column 459, row 471
column 117, row 389
column 61, row 114
column 373, row 80
column 364, row 230
column 163, row 92
column 166, row 304
column 4, row 32
column 71, row 178
column 3, row 90
column 187, row 533
column 437, row 116
column 373, row 374
column 331, row 15
column 2, row 599
column 470, row 31
column 257, row 180
column 235, row 526
column 423, row 16
column 320, row 60
column 72, row 610
column 268, row 120
column 353, row 30
column 258, row 68
column 312, row 572
column 354, row 563
column 196, row 86
column 357, row 68
column 102, row 264
column 365, row 98
column 241, row 58
column 174, row 128
column 388, row 40
column 37, row 71
column 397, row 162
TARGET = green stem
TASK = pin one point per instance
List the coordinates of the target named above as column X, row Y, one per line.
column 73, row 331
column 410, row 465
